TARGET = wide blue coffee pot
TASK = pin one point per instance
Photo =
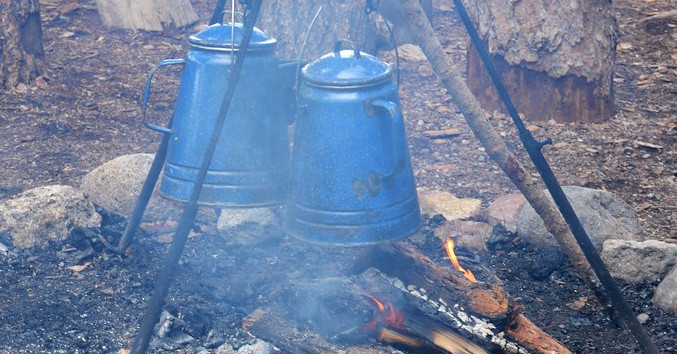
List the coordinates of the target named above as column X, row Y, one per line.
column 250, row 167
column 351, row 177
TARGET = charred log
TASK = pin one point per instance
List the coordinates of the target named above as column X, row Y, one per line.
column 481, row 309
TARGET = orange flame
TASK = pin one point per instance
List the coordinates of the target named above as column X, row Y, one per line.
column 387, row 314
column 454, row 261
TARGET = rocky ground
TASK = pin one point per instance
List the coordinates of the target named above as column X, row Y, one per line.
column 76, row 296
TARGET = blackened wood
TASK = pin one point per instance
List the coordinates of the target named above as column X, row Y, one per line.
column 538, row 96
column 21, row 51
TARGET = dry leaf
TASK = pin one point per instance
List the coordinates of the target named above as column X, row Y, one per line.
column 73, row 5
column 532, row 128
column 578, row 304
column 169, row 237
column 67, row 34
column 41, row 83
column 79, row 268
column 623, row 46
column 648, row 145
column 444, row 133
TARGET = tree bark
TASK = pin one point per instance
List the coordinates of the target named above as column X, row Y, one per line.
column 555, row 57
column 489, row 138
column 149, row 15
column 21, row 51
column 288, row 21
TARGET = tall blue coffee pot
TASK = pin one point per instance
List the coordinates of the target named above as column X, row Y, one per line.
column 351, row 177
column 251, row 164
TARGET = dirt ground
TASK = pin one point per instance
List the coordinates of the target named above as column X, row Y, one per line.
column 88, row 112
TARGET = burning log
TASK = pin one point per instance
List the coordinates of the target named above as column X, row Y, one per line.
column 484, row 310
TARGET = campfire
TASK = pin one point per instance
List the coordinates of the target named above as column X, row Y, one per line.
column 449, row 247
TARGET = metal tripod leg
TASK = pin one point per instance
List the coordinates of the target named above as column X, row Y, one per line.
column 146, row 191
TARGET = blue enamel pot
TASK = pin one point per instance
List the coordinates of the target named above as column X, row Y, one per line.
column 251, row 163
column 351, row 177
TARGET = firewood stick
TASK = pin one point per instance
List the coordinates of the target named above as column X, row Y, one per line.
column 527, row 333
column 425, row 37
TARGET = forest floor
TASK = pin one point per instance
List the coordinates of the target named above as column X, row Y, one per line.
column 86, row 111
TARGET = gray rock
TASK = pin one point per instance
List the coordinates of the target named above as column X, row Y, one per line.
column 116, row 186
column 639, row 262
column 39, row 215
column 665, row 297
column 604, row 216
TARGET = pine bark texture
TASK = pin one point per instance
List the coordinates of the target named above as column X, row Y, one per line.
column 149, row 15
column 556, row 57
column 488, row 137
column 21, row 51
column 288, row 21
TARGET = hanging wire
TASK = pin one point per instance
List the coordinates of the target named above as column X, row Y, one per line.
column 232, row 32
column 374, row 6
column 299, row 60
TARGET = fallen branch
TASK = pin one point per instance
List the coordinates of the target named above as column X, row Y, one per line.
column 660, row 16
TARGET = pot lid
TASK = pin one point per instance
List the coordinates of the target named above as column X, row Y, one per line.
column 218, row 37
column 346, row 68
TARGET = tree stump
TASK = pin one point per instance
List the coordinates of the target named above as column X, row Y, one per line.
column 149, row 15
column 21, row 51
column 554, row 57
column 289, row 20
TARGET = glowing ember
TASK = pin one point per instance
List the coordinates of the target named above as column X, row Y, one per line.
column 454, row 261
column 386, row 315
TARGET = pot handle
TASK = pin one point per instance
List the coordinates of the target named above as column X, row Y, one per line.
column 351, row 45
column 146, row 94
column 395, row 114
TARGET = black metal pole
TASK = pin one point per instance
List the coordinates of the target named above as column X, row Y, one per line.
column 218, row 12
column 533, row 148
column 146, row 191
column 166, row 275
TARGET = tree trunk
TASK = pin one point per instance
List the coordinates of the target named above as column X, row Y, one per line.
column 555, row 57
column 288, row 22
column 149, row 15
column 21, row 51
